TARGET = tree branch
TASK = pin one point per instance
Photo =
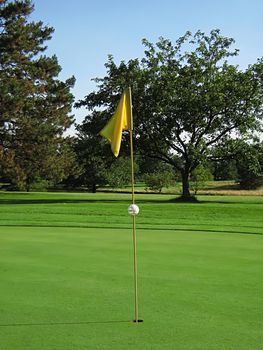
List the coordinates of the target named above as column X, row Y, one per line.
column 220, row 135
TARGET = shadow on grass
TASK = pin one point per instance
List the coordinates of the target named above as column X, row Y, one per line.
column 79, row 201
column 57, row 201
column 177, row 200
column 47, row 324
column 160, row 228
column 116, row 197
column 191, row 199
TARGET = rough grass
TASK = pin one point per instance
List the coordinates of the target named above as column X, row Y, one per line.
column 221, row 188
column 66, row 272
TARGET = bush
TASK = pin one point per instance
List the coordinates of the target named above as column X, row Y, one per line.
column 158, row 180
column 119, row 173
column 250, row 167
column 40, row 185
column 251, row 182
column 199, row 177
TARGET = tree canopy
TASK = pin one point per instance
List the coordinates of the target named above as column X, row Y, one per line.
column 186, row 98
column 35, row 105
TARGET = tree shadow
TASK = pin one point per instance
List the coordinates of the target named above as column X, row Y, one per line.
column 181, row 199
column 77, row 201
column 53, row 201
column 177, row 200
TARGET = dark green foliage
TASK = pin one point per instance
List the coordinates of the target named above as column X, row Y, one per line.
column 247, row 158
column 250, row 166
column 119, row 173
column 184, row 102
column 34, row 103
column 161, row 176
column 199, row 177
column 225, row 169
column 157, row 181
column 93, row 157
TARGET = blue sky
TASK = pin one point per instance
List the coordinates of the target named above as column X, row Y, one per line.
column 86, row 31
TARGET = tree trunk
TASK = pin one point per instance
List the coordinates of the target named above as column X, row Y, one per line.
column 94, row 188
column 185, row 184
column 28, row 185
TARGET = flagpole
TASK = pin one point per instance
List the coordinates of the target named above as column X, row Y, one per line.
column 112, row 131
column 134, row 221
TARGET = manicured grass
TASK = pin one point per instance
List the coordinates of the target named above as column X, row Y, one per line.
column 66, row 272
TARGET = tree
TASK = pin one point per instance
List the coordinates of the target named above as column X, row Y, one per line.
column 249, row 159
column 158, row 180
column 93, row 157
column 156, row 174
column 184, row 102
column 224, row 169
column 93, row 151
column 35, row 105
column 119, row 173
column 98, row 166
column 247, row 156
column 200, row 175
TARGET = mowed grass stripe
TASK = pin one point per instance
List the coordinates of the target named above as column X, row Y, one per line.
column 106, row 210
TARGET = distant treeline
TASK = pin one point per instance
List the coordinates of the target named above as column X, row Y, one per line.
column 196, row 116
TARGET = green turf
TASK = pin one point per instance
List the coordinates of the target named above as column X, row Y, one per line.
column 66, row 273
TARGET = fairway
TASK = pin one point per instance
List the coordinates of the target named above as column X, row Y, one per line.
column 66, row 272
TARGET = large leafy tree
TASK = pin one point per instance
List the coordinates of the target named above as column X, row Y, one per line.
column 186, row 98
column 35, row 105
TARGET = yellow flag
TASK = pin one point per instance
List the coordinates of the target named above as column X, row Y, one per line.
column 121, row 120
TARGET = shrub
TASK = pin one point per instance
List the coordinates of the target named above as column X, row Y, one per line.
column 199, row 177
column 158, row 180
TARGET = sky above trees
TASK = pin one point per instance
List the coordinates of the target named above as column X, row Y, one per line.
column 87, row 31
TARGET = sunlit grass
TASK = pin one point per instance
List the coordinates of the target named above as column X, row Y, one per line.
column 226, row 188
column 66, row 272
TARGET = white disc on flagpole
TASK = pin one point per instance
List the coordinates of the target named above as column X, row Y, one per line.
column 133, row 209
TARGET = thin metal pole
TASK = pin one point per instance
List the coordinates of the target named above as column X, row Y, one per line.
column 134, row 223
column 135, row 273
column 132, row 168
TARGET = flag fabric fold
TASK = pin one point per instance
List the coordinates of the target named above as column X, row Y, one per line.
column 121, row 120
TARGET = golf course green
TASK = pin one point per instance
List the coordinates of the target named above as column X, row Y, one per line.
column 66, row 272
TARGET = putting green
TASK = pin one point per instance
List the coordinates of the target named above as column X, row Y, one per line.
column 66, row 272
